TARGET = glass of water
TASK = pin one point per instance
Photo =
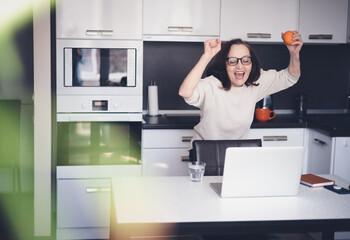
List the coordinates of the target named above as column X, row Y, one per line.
column 196, row 171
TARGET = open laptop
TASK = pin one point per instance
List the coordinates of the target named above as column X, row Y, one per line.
column 261, row 172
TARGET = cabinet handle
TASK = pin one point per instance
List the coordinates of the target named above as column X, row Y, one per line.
column 180, row 29
column 174, row 29
column 185, row 158
column 275, row 138
column 186, row 138
column 321, row 36
column 187, row 29
column 107, row 32
column 259, row 35
column 99, row 32
column 91, row 190
column 97, row 189
column 92, row 32
column 318, row 141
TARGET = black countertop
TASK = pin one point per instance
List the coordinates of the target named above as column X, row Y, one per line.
column 189, row 121
column 335, row 125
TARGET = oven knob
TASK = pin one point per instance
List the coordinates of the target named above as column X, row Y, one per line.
column 83, row 106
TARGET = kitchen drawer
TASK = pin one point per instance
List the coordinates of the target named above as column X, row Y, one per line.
column 83, row 203
column 279, row 137
column 169, row 138
column 165, row 162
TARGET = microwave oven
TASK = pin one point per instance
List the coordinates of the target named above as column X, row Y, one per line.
column 99, row 76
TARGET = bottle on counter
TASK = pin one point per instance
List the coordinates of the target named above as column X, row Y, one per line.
column 153, row 99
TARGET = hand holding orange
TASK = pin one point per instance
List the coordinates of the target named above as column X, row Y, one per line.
column 288, row 37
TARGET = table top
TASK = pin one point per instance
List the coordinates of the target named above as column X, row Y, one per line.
column 178, row 200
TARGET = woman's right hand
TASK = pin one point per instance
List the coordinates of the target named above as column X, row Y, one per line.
column 212, row 47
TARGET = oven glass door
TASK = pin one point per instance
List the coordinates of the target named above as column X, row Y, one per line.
column 100, row 67
column 98, row 143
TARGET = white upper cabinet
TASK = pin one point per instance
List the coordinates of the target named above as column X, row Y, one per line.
column 323, row 21
column 99, row 19
column 181, row 20
column 258, row 21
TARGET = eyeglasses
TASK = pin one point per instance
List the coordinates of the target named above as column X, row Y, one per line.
column 233, row 61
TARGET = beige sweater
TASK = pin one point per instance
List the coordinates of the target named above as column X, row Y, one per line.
column 229, row 114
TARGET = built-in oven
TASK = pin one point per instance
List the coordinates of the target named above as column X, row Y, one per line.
column 99, row 76
column 99, row 102
column 92, row 140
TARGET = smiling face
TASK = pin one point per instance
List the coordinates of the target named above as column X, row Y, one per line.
column 238, row 74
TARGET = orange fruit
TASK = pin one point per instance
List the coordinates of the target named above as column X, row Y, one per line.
column 288, row 37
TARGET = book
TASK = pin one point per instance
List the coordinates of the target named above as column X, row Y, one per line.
column 315, row 181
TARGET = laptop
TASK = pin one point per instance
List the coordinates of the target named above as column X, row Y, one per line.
column 261, row 172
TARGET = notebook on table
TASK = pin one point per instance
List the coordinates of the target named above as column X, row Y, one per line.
column 261, row 172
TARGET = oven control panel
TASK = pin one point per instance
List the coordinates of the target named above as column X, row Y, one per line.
column 82, row 104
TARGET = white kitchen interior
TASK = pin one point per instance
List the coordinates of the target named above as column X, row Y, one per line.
column 71, row 184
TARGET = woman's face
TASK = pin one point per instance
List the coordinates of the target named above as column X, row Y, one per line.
column 239, row 73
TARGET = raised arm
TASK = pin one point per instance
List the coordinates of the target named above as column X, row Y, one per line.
column 211, row 48
column 294, row 60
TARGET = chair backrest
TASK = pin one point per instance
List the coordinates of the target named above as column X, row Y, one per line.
column 212, row 152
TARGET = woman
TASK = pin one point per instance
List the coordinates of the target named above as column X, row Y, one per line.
column 235, row 82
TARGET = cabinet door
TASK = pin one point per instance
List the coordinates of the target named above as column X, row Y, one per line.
column 83, row 203
column 167, row 138
column 256, row 20
column 320, row 150
column 323, row 21
column 279, row 137
column 99, row 19
column 342, row 157
column 181, row 17
column 165, row 162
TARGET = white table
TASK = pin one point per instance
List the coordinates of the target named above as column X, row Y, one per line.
column 164, row 205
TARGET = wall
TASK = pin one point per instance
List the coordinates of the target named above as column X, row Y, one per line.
column 325, row 73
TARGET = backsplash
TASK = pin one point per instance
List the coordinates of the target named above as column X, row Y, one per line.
column 325, row 73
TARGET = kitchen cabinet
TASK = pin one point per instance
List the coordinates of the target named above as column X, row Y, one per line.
column 320, row 151
column 341, row 158
column 181, row 20
column 279, row 137
column 258, row 21
column 323, row 21
column 83, row 199
column 165, row 152
column 84, row 203
column 99, row 19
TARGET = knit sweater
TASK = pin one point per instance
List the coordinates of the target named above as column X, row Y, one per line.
column 229, row 114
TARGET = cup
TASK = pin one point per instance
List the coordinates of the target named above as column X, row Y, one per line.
column 196, row 171
column 264, row 114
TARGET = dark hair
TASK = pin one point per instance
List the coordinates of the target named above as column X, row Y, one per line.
column 217, row 67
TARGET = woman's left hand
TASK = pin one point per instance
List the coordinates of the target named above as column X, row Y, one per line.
column 295, row 47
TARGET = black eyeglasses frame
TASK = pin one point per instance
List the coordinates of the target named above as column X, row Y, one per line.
column 239, row 59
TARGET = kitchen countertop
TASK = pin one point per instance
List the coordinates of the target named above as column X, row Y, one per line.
column 173, row 121
column 335, row 125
